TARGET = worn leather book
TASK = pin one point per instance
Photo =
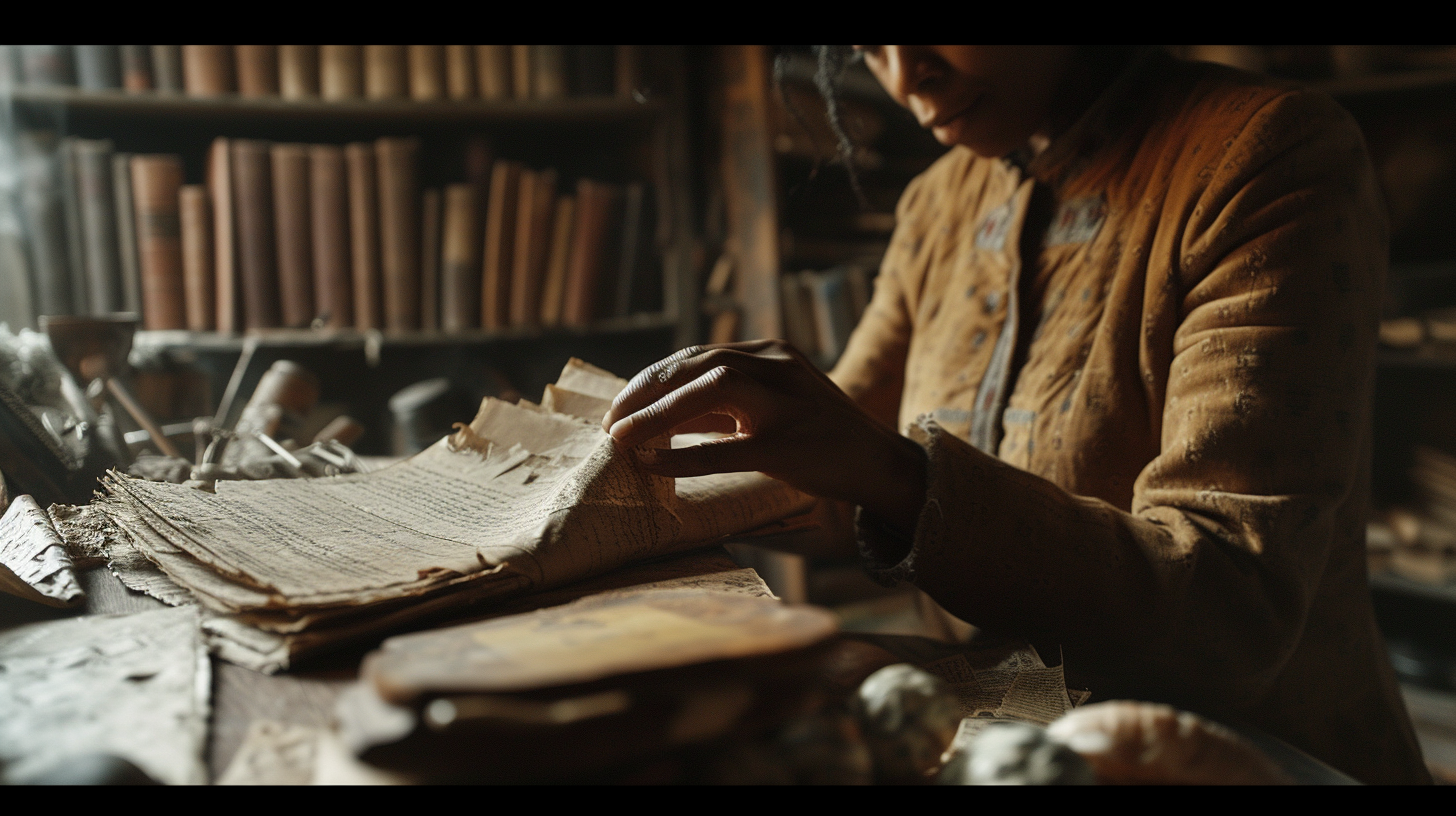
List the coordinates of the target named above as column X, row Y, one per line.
column 98, row 67
column 47, row 66
column 126, row 236
column 98, row 225
column 460, row 253
column 533, row 245
column 208, row 70
column 598, row 216
column 631, row 256
column 553, row 291
column 136, row 68
column 156, row 181
column 329, row 214
column 521, row 72
column 199, row 282
column 364, row 235
column 341, row 72
column 430, row 218
column 548, row 72
column 257, row 70
column 167, row 69
column 493, row 72
column 75, row 236
column 427, row 73
column 460, row 72
column 399, row 231
column 224, row 236
column 386, row 73
column 298, row 71
column 292, row 233
column 592, row 69
column 257, row 254
column 627, row 73
column 500, row 239
column 40, row 204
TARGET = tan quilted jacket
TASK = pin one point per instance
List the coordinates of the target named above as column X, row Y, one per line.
column 1142, row 369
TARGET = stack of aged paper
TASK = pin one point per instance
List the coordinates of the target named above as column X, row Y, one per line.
column 135, row 686
column 524, row 498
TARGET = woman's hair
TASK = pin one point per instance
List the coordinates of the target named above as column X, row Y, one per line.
column 830, row 64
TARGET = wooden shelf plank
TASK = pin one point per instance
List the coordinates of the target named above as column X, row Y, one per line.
column 1390, row 582
column 349, row 338
column 584, row 110
column 1377, row 88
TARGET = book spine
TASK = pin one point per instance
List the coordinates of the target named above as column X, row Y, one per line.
column 633, row 212
column 126, row 236
column 460, row 277
column 207, row 70
column 521, row 72
column 499, row 254
column 595, row 204
column 399, row 231
column 75, row 232
column 493, row 72
column 136, row 68
column 224, row 235
column 364, row 235
column 156, row 181
column 46, row 66
column 427, row 73
column 430, row 218
column 329, row 210
column 548, row 72
column 17, row 301
column 10, row 76
column 45, row 226
column 167, row 68
column 253, row 212
column 98, row 67
column 626, row 76
column 198, row 278
column 460, row 72
column 341, row 72
column 553, row 293
column 533, row 235
column 257, row 70
column 592, row 73
column 98, row 225
column 298, row 71
column 292, row 233
column 386, row 74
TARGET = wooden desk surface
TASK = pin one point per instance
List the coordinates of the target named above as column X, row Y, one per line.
column 307, row 697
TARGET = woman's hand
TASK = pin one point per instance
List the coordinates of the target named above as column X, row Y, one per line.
column 786, row 419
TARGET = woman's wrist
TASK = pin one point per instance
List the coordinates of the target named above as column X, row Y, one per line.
column 895, row 486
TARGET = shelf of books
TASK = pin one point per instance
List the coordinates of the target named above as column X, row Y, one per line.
column 449, row 194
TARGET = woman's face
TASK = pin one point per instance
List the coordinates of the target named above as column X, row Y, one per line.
column 990, row 98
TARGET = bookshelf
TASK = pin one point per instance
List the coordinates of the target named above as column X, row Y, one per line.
column 803, row 244
column 636, row 134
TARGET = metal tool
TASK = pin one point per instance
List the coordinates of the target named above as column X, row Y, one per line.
column 95, row 349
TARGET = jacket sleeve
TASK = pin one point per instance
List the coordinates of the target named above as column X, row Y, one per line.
column 1201, row 591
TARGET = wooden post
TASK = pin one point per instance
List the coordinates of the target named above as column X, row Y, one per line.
column 750, row 188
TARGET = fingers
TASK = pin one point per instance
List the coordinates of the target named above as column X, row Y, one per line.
column 732, row 455
column 686, row 366
column 720, row 390
column 711, row 423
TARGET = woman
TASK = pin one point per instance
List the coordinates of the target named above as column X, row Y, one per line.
column 1125, row 328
